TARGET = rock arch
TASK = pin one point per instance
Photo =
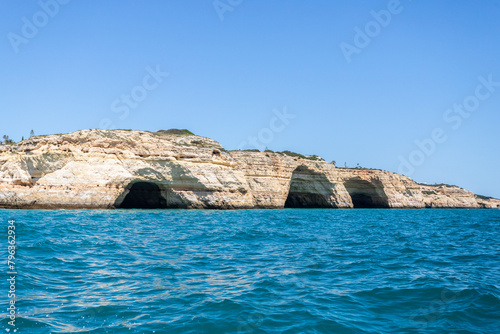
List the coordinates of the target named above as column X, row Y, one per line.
column 309, row 189
column 366, row 194
column 143, row 195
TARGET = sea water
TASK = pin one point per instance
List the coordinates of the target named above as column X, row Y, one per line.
column 252, row 271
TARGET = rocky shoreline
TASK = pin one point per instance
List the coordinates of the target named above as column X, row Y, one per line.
column 106, row 169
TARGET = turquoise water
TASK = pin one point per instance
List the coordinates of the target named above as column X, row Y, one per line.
column 254, row 271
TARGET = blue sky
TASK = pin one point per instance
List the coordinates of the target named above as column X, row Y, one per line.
column 225, row 70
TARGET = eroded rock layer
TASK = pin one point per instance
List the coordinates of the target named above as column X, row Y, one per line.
column 138, row 169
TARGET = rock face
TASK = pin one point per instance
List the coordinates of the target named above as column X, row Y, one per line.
column 138, row 169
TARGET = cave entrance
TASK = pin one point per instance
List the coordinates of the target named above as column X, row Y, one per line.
column 143, row 195
column 309, row 189
column 366, row 194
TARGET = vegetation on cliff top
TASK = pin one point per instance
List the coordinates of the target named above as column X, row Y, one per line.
column 484, row 197
column 298, row 155
column 287, row 153
column 177, row 132
column 438, row 185
column 6, row 140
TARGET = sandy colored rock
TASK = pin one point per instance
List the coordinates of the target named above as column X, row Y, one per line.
column 111, row 169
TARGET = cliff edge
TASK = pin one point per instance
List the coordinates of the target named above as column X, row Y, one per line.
column 140, row 169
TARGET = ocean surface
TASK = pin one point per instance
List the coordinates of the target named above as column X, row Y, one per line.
column 253, row 271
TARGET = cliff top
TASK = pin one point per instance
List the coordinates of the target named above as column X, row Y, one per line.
column 118, row 139
column 139, row 142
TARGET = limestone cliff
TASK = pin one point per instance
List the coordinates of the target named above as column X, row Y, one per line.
column 138, row 169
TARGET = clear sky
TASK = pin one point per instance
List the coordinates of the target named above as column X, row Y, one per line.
column 351, row 81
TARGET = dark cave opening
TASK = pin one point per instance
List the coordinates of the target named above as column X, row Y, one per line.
column 144, row 195
column 308, row 189
column 306, row 200
column 365, row 194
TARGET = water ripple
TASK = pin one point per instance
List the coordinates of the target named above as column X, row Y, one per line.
column 256, row 271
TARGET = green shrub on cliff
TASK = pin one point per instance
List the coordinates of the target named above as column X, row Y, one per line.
column 484, row 197
column 313, row 157
column 178, row 132
column 292, row 154
column 443, row 185
column 7, row 140
column 427, row 192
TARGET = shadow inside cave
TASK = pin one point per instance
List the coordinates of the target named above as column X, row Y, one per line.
column 143, row 195
column 365, row 194
column 309, row 189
